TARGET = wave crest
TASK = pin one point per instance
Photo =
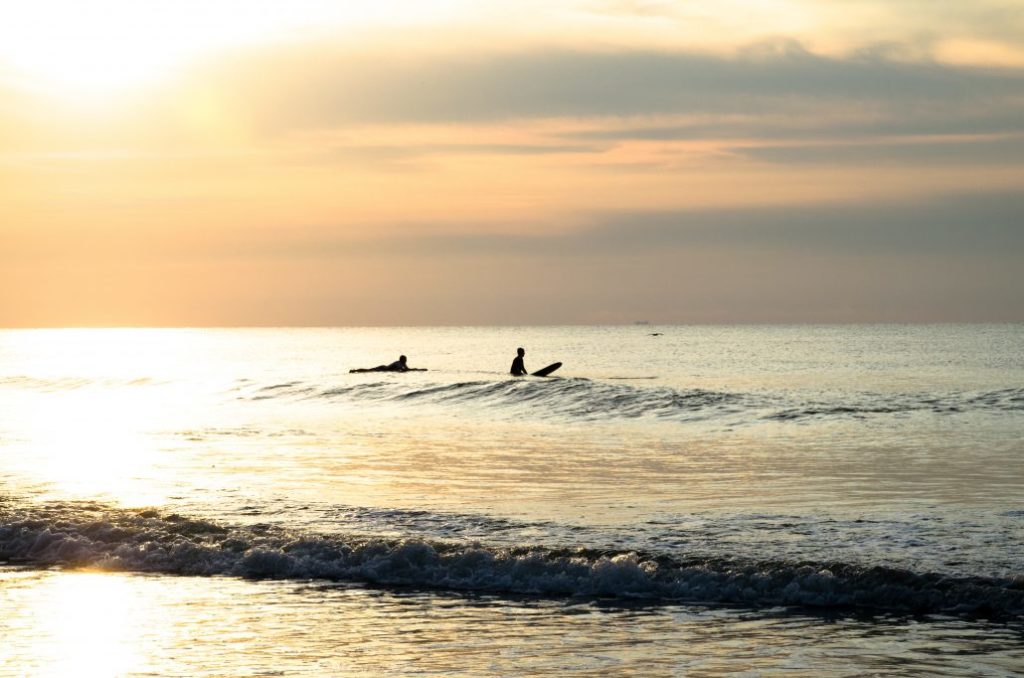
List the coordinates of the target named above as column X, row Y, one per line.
column 147, row 541
column 585, row 399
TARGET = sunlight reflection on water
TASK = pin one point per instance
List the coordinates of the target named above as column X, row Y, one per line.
column 868, row 446
column 82, row 624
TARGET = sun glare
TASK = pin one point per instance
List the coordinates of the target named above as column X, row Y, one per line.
column 97, row 449
column 92, row 46
column 88, row 429
column 103, row 46
column 111, row 45
column 86, row 624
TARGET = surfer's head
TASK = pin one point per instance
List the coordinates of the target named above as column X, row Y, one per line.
column 520, row 352
column 402, row 359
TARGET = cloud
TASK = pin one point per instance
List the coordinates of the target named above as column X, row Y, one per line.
column 969, row 225
column 767, row 94
column 996, row 19
column 405, row 156
column 322, row 86
column 814, row 126
column 1004, row 151
column 955, row 259
column 965, row 225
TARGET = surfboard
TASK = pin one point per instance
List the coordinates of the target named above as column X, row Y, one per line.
column 546, row 371
column 361, row 370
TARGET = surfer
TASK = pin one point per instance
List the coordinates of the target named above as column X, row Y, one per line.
column 400, row 365
column 518, row 368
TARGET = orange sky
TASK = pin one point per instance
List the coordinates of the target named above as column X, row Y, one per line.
column 325, row 163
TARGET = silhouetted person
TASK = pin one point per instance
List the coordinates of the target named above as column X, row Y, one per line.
column 518, row 368
column 397, row 366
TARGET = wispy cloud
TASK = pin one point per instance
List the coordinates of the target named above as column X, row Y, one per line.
column 915, row 151
column 729, row 160
column 348, row 88
column 957, row 225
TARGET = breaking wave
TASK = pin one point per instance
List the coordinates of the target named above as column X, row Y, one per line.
column 585, row 399
column 96, row 536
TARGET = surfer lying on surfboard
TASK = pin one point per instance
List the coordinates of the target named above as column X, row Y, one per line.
column 519, row 367
column 399, row 365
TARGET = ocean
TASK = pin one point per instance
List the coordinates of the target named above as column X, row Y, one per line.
column 675, row 500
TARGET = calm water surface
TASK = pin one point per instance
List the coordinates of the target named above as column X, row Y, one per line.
column 833, row 500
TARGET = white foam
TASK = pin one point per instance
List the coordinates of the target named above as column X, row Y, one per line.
column 148, row 542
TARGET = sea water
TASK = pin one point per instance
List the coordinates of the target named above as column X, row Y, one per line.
column 807, row 500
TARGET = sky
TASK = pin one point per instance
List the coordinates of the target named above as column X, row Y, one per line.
column 412, row 162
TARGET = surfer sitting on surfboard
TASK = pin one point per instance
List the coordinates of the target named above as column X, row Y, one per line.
column 397, row 366
column 518, row 368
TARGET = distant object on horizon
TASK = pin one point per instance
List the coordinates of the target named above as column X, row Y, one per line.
column 641, row 322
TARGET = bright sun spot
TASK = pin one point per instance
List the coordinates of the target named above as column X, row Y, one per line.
column 87, row 624
column 103, row 46
column 93, row 429
column 90, row 443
